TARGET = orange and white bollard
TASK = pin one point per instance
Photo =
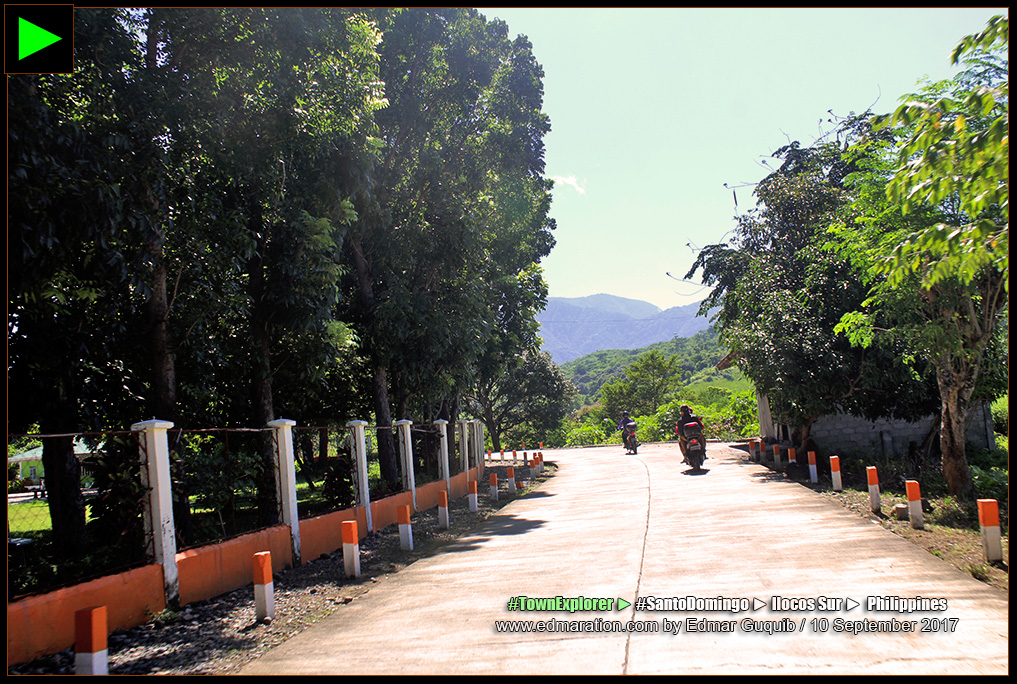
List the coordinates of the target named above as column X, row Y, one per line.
column 510, row 475
column 443, row 520
column 813, row 471
column 776, row 454
column 514, row 456
column 792, row 456
column 533, row 468
column 914, row 493
column 405, row 529
column 264, row 588
column 474, row 503
column 873, row 477
column 988, row 520
column 835, row 473
column 494, row 486
column 91, row 655
column 351, row 548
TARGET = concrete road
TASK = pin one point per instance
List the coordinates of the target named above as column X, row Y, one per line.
column 611, row 526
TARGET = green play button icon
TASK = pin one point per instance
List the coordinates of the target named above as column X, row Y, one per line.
column 32, row 38
column 38, row 39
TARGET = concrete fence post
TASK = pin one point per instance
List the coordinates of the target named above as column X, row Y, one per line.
column 286, row 482
column 406, row 455
column 158, row 505
column 464, row 446
column 443, row 453
column 359, row 448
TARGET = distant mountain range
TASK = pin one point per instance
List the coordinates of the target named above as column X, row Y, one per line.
column 572, row 327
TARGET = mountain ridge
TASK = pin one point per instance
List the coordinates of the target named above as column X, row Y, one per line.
column 572, row 327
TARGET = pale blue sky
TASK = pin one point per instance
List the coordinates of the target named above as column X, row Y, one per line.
column 654, row 110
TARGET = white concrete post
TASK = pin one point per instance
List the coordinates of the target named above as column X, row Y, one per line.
column 464, row 445
column 359, row 446
column 835, row 473
column 474, row 504
column 351, row 548
column 443, row 453
column 264, row 587
column 480, row 448
column 286, row 481
column 158, row 507
column 494, row 486
column 813, row 470
column 443, row 519
column 406, row 452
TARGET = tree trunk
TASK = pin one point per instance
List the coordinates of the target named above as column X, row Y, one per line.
column 63, row 491
column 382, row 405
column 956, row 380
column 263, row 411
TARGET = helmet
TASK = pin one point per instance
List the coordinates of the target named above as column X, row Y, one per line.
column 686, row 409
column 625, row 413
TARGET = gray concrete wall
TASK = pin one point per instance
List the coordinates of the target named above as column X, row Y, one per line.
column 846, row 434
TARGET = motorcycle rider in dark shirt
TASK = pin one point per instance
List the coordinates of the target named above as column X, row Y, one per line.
column 626, row 425
column 687, row 416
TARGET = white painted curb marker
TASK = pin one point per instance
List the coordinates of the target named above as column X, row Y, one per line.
column 835, row 473
column 813, row 472
column 988, row 519
column 914, row 493
column 443, row 520
column 873, row 478
column 264, row 588
column 351, row 548
column 90, row 651
column 405, row 529
column 474, row 504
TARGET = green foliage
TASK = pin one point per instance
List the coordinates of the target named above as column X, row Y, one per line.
column 1001, row 414
column 956, row 146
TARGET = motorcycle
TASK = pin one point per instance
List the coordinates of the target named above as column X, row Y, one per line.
column 629, row 438
column 695, row 445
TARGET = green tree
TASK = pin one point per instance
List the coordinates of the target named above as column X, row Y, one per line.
column 461, row 137
column 647, row 384
column 944, row 290
column 780, row 294
column 955, row 147
column 531, row 396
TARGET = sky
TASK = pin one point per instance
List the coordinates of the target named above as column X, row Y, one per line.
column 661, row 118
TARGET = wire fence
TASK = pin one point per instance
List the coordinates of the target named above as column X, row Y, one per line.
column 84, row 520
column 223, row 485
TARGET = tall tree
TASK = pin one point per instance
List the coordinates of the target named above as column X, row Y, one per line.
column 781, row 294
column 463, row 123
column 935, row 254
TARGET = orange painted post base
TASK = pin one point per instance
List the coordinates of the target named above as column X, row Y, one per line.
column 90, row 650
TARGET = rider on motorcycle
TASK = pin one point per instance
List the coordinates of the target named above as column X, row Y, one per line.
column 687, row 416
column 626, row 426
